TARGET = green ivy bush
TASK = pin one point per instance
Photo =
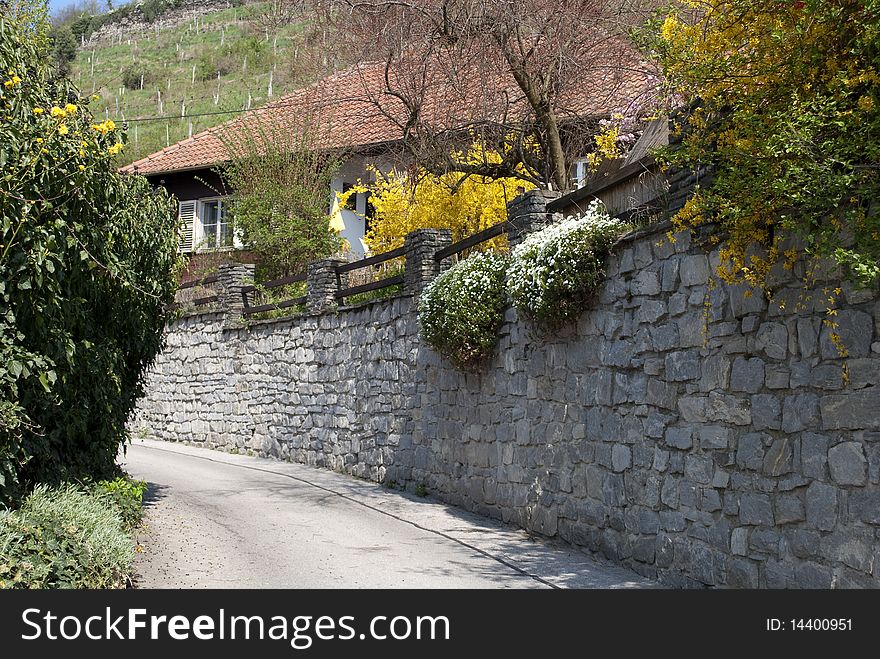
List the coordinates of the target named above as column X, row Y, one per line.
column 88, row 259
column 461, row 310
column 554, row 271
column 70, row 536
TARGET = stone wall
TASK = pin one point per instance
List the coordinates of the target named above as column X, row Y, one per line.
column 329, row 390
column 132, row 22
column 689, row 431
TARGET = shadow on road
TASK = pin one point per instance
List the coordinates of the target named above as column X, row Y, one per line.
column 154, row 494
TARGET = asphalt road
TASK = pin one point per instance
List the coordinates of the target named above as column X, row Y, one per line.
column 215, row 520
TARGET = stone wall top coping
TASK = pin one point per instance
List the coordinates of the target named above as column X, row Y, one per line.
column 249, row 324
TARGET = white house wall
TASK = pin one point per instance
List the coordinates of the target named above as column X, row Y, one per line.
column 353, row 171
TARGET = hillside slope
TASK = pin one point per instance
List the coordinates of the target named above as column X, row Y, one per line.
column 171, row 82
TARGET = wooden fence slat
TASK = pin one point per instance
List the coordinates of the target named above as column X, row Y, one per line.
column 276, row 305
column 471, row 241
column 372, row 260
column 372, row 286
column 200, row 282
column 275, row 283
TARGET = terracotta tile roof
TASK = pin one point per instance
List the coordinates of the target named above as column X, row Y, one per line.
column 351, row 109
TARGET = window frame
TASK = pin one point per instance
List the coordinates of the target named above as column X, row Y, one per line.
column 199, row 242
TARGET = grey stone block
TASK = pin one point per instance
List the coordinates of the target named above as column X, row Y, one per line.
column 800, row 412
column 650, row 311
column 766, row 412
column 765, row 541
column 694, row 270
column 864, row 505
column 682, row 365
column 812, row 575
column 739, row 541
column 803, row 543
column 715, row 373
column 669, row 276
column 643, row 549
column 772, row 340
column 699, row 468
column 742, row 573
column 855, row 329
column 680, row 438
column 621, row 457
column 730, row 409
column 778, row 458
column 848, row 463
column 747, row 375
column 755, row 510
column 814, row 455
column 649, row 522
column 789, row 509
column 821, row 506
column 852, row 547
column 646, row 282
column 808, row 336
column 694, row 409
column 673, row 521
column 827, row 376
column 750, row 451
column 664, row 551
column 714, row 437
column 778, row 574
column 853, row 410
column 776, row 376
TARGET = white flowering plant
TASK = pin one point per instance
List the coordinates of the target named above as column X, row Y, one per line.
column 461, row 310
column 554, row 271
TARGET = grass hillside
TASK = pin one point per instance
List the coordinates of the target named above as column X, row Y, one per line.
column 224, row 61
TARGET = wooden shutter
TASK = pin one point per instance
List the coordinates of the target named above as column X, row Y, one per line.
column 186, row 215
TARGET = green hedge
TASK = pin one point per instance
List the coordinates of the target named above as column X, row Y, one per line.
column 88, row 262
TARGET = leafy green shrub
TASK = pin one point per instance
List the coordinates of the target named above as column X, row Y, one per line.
column 280, row 207
column 87, row 267
column 461, row 310
column 785, row 109
column 127, row 496
column 152, row 9
column 133, row 75
column 64, row 537
column 555, row 270
column 208, row 66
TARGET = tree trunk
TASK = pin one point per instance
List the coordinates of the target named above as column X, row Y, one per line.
column 557, row 170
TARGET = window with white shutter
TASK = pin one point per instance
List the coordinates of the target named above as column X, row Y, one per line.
column 186, row 216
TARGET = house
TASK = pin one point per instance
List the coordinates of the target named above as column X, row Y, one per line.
column 352, row 110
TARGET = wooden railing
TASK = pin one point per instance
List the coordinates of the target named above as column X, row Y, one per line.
column 199, row 301
column 471, row 241
column 269, row 285
column 324, row 289
column 396, row 280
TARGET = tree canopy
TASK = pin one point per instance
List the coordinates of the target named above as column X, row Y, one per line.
column 785, row 100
